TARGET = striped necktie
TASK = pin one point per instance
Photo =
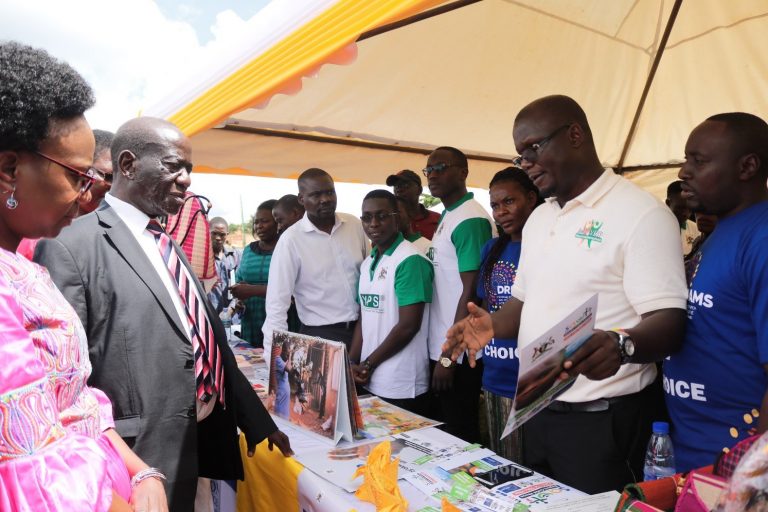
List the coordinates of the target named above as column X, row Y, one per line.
column 209, row 374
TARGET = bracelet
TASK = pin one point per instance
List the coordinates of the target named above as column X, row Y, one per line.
column 367, row 365
column 144, row 474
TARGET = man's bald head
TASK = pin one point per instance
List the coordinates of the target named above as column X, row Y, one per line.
column 152, row 161
column 556, row 110
column 746, row 133
column 143, row 134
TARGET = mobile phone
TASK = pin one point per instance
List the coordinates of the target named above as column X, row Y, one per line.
column 504, row 474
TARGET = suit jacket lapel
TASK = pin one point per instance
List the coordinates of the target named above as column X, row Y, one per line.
column 116, row 232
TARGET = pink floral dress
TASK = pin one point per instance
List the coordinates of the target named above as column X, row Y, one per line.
column 53, row 454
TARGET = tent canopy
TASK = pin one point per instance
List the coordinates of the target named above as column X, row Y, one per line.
column 645, row 71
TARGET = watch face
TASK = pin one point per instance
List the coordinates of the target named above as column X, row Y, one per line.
column 629, row 347
column 445, row 361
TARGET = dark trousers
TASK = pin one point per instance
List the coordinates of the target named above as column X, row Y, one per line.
column 459, row 407
column 592, row 451
column 336, row 332
column 417, row 405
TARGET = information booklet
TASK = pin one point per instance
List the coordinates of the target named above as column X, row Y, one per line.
column 541, row 363
column 311, row 385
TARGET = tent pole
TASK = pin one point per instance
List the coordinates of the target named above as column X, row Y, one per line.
column 648, row 83
column 415, row 18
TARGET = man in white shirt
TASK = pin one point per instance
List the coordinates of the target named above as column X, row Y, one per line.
column 596, row 233
column 688, row 230
column 317, row 262
column 389, row 349
column 463, row 230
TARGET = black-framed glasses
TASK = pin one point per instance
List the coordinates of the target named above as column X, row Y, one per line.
column 85, row 180
column 532, row 152
column 367, row 218
column 438, row 168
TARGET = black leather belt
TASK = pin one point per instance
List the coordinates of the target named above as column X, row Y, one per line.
column 601, row 404
column 341, row 325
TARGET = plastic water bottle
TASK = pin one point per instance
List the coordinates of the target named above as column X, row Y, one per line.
column 660, row 457
column 226, row 319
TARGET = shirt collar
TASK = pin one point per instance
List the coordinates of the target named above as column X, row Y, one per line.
column 466, row 197
column 135, row 219
column 398, row 240
column 307, row 226
column 413, row 237
column 599, row 188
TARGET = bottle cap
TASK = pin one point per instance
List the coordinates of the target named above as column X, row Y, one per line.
column 660, row 427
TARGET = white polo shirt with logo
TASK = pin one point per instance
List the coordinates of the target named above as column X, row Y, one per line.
column 463, row 230
column 400, row 277
column 615, row 240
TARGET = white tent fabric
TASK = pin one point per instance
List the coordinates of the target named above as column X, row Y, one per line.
column 460, row 77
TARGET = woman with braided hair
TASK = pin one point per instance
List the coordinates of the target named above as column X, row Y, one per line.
column 513, row 198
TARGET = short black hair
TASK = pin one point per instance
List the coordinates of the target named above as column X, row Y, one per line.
column 103, row 141
column 749, row 134
column 312, row 173
column 269, row 204
column 461, row 158
column 35, row 88
column 674, row 189
column 218, row 220
column 289, row 202
column 380, row 193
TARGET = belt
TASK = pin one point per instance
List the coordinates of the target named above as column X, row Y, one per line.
column 601, row 404
column 341, row 325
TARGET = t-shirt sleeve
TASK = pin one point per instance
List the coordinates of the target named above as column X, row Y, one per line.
column 755, row 274
column 469, row 237
column 654, row 277
column 413, row 281
column 483, row 254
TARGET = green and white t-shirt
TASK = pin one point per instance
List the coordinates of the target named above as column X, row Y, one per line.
column 463, row 230
column 400, row 277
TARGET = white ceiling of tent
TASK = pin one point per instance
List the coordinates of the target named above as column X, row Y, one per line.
column 460, row 77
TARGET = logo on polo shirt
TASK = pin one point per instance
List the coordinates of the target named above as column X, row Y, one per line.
column 591, row 232
column 383, row 273
column 371, row 301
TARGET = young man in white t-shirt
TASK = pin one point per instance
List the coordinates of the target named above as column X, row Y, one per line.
column 389, row 346
column 463, row 230
column 596, row 233
column 689, row 232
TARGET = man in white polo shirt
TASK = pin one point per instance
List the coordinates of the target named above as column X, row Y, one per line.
column 389, row 349
column 317, row 262
column 463, row 230
column 596, row 233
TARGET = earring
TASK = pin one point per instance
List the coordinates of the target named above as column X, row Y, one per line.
column 11, row 203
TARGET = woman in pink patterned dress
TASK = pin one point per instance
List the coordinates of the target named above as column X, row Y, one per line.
column 58, row 447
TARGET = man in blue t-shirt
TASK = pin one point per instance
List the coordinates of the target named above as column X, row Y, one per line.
column 716, row 385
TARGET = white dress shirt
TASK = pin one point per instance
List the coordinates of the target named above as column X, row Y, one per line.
column 137, row 221
column 319, row 270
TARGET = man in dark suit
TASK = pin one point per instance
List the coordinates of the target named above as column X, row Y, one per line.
column 159, row 354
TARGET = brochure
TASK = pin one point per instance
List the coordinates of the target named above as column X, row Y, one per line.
column 541, row 363
column 311, row 385
column 381, row 419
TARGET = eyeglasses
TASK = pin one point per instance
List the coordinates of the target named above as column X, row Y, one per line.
column 367, row 218
column 438, row 168
column 85, row 180
column 532, row 152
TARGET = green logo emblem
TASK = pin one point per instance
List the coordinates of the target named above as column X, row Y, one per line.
column 591, row 232
column 370, row 300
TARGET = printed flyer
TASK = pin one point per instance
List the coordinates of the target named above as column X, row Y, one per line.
column 541, row 363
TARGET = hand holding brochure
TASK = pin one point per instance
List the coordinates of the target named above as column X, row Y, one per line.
column 541, row 363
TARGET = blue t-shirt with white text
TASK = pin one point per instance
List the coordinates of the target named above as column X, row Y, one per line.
column 500, row 363
column 715, row 385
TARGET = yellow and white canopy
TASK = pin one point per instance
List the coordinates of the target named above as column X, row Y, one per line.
column 419, row 74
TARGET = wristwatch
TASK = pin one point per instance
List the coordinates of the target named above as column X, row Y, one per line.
column 446, row 362
column 625, row 344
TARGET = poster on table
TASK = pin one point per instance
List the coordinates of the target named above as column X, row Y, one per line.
column 541, row 363
column 311, row 385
